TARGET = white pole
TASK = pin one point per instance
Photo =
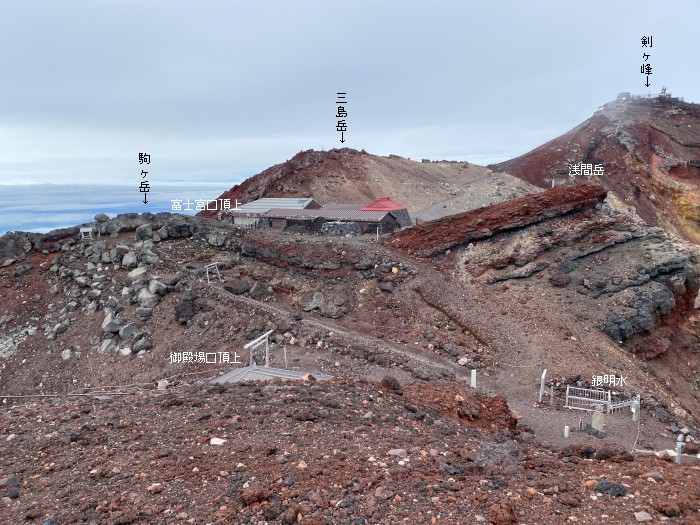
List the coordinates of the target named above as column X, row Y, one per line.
column 679, row 445
column 566, row 432
column 551, row 395
column 377, row 233
column 544, row 374
column 267, row 354
column 285, row 357
column 473, row 378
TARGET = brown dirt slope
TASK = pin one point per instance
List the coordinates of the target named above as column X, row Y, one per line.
column 650, row 150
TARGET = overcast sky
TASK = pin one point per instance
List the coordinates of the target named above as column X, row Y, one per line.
column 217, row 91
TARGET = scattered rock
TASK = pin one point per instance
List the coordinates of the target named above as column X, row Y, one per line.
column 9, row 482
column 386, row 286
column 143, row 232
column 111, row 323
column 157, row 288
column 503, row 513
column 184, row 310
column 107, row 346
column 130, row 261
column 22, row 269
column 616, row 490
column 144, row 343
column 138, row 272
column 144, row 314
column 642, row 516
column 128, row 330
column 146, row 299
column 237, row 287
column 499, row 458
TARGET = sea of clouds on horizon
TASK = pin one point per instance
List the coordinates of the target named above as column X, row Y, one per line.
column 44, row 207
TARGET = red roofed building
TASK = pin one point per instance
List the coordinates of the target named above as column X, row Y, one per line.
column 397, row 210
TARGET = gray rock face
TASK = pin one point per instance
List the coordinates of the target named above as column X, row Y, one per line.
column 146, row 299
column 333, row 307
column 111, row 323
column 101, row 217
column 13, row 248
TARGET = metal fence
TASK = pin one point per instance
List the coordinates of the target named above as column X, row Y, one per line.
column 587, row 399
column 615, row 407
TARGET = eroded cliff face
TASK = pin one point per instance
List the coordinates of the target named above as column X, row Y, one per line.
column 635, row 283
column 650, row 151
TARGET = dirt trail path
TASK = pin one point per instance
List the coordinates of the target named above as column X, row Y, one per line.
column 416, row 356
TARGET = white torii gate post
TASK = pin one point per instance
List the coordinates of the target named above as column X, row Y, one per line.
column 256, row 343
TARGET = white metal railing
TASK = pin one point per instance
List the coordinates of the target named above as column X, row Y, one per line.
column 619, row 405
column 587, row 399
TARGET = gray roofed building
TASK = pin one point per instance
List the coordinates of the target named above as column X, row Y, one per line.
column 333, row 214
column 337, row 206
column 261, row 206
column 250, row 212
column 263, row 373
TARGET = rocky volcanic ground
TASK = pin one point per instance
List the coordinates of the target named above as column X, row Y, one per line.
column 316, row 453
column 507, row 290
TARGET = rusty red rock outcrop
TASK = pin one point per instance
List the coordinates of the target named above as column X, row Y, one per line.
column 431, row 238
